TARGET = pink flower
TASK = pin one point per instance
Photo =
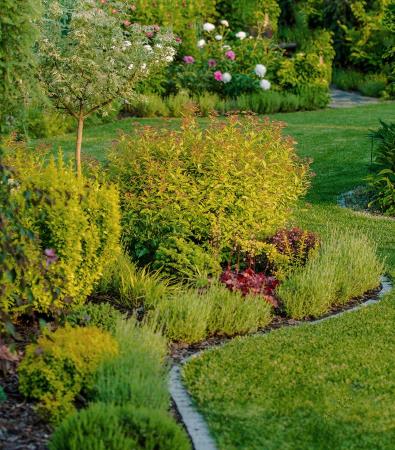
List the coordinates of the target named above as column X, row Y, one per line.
column 133, row 7
column 178, row 40
column 188, row 59
column 212, row 62
column 127, row 23
column 103, row 1
column 149, row 34
column 114, row 11
column 218, row 75
column 156, row 28
column 230, row 54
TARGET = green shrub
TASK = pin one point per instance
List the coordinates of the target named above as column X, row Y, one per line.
column 345, row 266
column 43, row 122
column 382, row 182
column 76, row 225
column 137, row 376
column 231, row 186
column 131, row 287
column 373, row 85
column 107, row 427
column 207, row 104
column 347, row 79
column 60, row 365
column 102, row 315
column 180, row 104
column 147, row 105
column 185, row 260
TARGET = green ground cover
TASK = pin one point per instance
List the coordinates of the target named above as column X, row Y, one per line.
column 327, row 386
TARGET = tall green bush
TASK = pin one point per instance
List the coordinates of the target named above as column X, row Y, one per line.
column 228, row 187
column 18, row 33
column 75, row 222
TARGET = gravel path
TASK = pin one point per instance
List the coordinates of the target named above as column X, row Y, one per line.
column 344, row 99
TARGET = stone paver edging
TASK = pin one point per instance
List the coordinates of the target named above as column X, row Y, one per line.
column 193, row 420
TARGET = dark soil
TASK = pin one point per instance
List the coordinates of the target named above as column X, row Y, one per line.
column 20, row 427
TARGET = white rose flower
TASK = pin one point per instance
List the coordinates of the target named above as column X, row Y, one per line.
column 225, row 23
column 201, row 43
column 260, row 70
column 209, row 27
column 241, row 35
column 218, row 37
column 265, row 85
column 226, row 77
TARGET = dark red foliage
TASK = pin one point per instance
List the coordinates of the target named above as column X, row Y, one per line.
column 296, row 243
column 250, row 282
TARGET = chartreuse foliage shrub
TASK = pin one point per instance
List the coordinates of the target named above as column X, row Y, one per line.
column 345, row 266
column 132, row 287
column 215, row 311
column 232, row 185
column 75, row 222
column 56, row 369
column 105, row 426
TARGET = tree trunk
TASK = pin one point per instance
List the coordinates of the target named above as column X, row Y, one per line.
column 78, row 145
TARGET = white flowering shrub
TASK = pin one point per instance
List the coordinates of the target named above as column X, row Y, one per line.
column 90, row 54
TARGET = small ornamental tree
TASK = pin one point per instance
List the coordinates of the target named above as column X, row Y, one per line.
column 90, row 55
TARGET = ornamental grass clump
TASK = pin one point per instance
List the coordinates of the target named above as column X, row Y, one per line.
column 230, row 186
column 345, row 266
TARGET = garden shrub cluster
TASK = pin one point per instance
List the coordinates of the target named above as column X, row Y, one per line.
column 382, row 180
column 101, row 315
column 62, row 364
column 225, row 189
column 75, row 225
column 371, row 85
column 129, row 400
column 345, row 266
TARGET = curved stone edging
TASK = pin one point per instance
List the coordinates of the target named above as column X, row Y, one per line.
column 193, row 421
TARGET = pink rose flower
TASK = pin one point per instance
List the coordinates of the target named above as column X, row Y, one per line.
column 230, row 54
column 188, row 59
column 218, row 75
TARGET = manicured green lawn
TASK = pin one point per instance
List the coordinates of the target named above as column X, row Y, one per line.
column 326, row 386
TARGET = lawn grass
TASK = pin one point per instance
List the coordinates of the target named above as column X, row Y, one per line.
column 326, row 386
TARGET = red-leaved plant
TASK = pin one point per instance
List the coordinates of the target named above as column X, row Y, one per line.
column 250, row 282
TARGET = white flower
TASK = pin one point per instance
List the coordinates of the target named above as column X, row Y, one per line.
column 130, row 66
column 218, row 37
column 127, row 43
column 158, row 45
column 226, row 47
column 208, row 27
column 260, row 70
column 225, row 23
column 226, row 77
column 169, row 58
column 148, row 48
column 171, row 51
column 241, row 35
column 143, row 66
column 201, row 43
column 265, row 85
